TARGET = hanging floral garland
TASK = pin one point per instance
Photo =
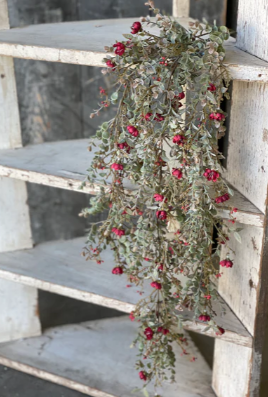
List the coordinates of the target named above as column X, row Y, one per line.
column 159, row 167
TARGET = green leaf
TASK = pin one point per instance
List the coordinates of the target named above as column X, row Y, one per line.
column 237, row 237
column 114, row 96
column 145, row 392
column 128, row 36
column 230, row 191
column 211, row 97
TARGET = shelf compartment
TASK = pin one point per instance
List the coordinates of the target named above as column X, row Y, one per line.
column 82, row 43
column 63, row 165
column 58, row 267
column 95, row 358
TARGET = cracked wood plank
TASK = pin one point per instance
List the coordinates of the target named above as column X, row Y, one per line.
column 102, row 354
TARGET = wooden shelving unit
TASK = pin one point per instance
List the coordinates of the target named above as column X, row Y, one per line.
column 90, row 357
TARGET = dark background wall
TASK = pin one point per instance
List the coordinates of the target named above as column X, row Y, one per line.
column 55, row 102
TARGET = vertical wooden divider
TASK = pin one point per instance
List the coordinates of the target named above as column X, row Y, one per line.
column 18, row 303
column 181, row 8
column 237, row 369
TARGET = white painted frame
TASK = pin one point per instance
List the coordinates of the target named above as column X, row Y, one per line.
column 18, row 303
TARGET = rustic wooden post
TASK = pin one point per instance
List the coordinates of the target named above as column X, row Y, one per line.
column 237, row 369
column 181, row 8
column 18, row 303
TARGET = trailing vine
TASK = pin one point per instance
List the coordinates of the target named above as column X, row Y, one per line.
column 158, row 166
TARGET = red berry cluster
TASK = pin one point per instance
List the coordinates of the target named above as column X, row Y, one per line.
column 226, row 263
column 222, row 199
column 211, row 175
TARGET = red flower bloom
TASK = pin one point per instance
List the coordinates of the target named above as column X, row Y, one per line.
column 177, row 173
column 229, row 263
column 179, row 139
column 110, row 64
column 119, row 48
column 133, row 130
column 204, row 317
column 160, row 162
column 212, row 87
column 171, row 250
column 159, row 117
column 117, row 167
column 164, row 331
column 148, row 116
column 143, row 375
column 118, row 232
column 132, row 317
column 123, row 146
column 226, row 263
column 161, row 215
column 217, row 116
column 136, row 27
column 180, row 96
column 149, row 333
column 220, row 332
column 147, row 259
column 117, row 270
column 102, row 91
column 156, row 285
column 158, row 197
column 211, row 175
column 161, row 267
column 222, row 199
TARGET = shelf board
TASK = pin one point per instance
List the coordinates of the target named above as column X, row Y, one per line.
column 58, row 267
column 63, row 165
column 82, row 43
column 95, row 358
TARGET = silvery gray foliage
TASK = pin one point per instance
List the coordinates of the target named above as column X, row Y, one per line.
column 159, row 166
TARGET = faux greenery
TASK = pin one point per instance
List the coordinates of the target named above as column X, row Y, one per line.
column 159, row 165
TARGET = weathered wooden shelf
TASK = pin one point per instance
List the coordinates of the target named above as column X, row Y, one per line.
column 83, row 43
column 64, row 164
column 58, row 267
column 95, row 358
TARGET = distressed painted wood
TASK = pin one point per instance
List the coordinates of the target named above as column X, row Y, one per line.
column 18, row 303
column 18, row 311
column 181, row 8
column 239, row 286
column 50, row 102
column 246, row 289
column 64, row 164
column 58, row 267
column 247, row 166
column 252, row 27
column 4, row 20
column 247, row 170
column 10, row 133
column 232, row 365
column 104, row 362
column 68, row 43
